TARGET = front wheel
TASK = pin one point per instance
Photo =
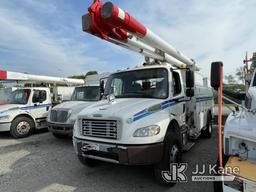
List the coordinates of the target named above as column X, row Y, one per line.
column 22, row 127
column 172, row 155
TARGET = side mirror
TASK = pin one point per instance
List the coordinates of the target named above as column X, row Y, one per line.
column 190, row 92
column 215, row 74
column 102, row 87
column 190, row 79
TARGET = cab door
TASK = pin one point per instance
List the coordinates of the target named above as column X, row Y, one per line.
column 41, row 105
column 178, row 99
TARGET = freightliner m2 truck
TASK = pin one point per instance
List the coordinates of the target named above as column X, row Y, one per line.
column 149, row 114
column 62, row 117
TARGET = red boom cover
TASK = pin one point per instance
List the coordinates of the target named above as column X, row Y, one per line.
column 3, row 75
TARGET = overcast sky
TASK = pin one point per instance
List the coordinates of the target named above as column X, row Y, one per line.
column 45, row 37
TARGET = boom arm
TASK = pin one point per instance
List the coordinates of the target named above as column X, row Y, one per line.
column 112, row 24
column 15, row 76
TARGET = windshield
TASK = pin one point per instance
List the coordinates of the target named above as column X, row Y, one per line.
column 86, row 94
column 146, row 83
column 20, row 96
column 5, row 95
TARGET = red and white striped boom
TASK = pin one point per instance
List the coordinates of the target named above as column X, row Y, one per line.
column 111, row 23
column 16, row 76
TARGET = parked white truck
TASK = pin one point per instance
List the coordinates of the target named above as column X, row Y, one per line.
column 28, row 107
column 238, row 149
column 62, row 117
column 149, row 114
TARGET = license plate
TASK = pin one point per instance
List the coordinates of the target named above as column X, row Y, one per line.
column 249, row 186
column 90, row 147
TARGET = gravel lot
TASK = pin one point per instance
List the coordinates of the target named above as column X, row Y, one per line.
column 43, row 163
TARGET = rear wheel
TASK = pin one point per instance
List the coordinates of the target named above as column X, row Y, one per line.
column 88, row 162
column 172, row 154
column 207, row 133
column 22, row 127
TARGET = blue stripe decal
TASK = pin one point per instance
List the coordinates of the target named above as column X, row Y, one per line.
column 200, row 99
column 34, row 107
column 166, row 104
column 163, row 105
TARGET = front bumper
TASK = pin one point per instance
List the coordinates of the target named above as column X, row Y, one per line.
column 118, row 153
column 5, row 126
column 64, row 129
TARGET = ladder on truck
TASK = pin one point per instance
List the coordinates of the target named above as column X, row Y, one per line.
column 7, row 76
column 109, row 22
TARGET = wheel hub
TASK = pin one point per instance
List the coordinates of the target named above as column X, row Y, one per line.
column 174, row 154
column 23, row 127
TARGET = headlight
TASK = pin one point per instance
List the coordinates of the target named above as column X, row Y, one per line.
column 148, row 131
column 5, row 117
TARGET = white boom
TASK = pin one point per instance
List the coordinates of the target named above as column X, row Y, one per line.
column 111, row 23
column 16, row 76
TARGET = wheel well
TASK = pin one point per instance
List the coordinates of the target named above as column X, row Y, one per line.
column 173, row 126
column 25, row 115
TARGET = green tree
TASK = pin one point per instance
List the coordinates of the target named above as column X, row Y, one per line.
column 77, row 77
column 230, row 79
column 91, row 73
column 84, row 76
column 240, row 73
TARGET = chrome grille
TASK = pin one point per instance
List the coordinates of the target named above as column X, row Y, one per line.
column 99, row 128
column 59, row 116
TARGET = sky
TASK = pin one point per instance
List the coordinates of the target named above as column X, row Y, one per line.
column 46, row 37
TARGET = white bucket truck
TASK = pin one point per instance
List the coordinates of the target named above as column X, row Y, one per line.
column 28, row 107
column 150, row 113
column 62, row 117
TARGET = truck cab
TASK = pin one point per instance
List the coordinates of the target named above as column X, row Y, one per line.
column 62, row 117
column 27, row 109
column 143, row 109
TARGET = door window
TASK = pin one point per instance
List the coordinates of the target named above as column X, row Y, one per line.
column 39, row 96
column 176, row 83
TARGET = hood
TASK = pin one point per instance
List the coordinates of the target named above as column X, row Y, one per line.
column 7, row 107
column 72, row 104
column 75, row 106
column 242, row 124
column 120, row 108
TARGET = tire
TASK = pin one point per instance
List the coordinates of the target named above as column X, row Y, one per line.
column 22, row 127
column 88, row 162
column 207, row 133
column 172, row 154
column 60, row 136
